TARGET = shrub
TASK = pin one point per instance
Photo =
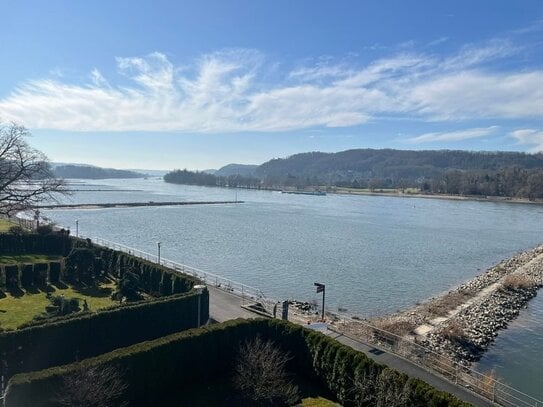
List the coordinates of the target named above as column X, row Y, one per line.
column 80, row 264
column 517, row 282
column 16, row 230
column 44, row 230
column 40, row 274
column 12, row 276
column 27, row 275
column 165, row 287
column 54, row 271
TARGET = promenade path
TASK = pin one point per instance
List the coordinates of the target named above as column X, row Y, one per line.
column 224, row 306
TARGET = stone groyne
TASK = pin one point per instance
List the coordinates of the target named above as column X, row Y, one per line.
column 462, row 323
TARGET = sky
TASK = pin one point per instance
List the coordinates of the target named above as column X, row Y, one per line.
column 200, row 84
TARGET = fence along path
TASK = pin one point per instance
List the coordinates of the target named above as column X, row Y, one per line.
column 246, row 292
column 482, row 384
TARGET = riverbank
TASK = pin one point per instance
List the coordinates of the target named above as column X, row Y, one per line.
column 135, row 204
column 399, row 194
column 463, row 322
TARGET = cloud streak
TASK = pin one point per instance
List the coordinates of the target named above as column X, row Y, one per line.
column 453, row 135
column 531, row 137
column 230, row 91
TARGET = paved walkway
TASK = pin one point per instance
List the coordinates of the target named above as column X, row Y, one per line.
column 224, row 306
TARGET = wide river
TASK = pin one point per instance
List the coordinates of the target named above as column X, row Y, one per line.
column 375, row 254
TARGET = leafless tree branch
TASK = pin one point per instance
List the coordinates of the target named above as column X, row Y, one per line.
column 92, row 387
column 260, row 374
column 26, row 178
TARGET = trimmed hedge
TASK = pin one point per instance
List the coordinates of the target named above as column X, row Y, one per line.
column 158, row 368
column 27, row 275
column 40, row 274
column 84, row 335
column 54, row 271
column 34, row 243
column 12, row 276
column 154, row 279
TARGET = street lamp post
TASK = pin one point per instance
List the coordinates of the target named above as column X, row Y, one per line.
column 76, row 228
column 158, row 244
column 321, row 288
column 199, row 290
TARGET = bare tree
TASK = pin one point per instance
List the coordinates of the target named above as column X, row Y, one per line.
column 26, row 178
column 92, row 387
column 261, row 376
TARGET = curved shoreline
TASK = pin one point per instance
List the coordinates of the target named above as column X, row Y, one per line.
column 477, row 198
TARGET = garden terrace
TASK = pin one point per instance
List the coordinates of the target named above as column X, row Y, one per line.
column 165, row 301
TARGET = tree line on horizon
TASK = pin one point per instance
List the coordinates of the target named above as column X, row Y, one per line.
column 503, row 174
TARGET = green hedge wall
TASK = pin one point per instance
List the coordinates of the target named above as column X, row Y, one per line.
column 40, row 274
column 158, row 368
column 34, row 243
column 27, row 274
column 12, row 276
column 81, row 336
column 54, row 271
column 154, row 279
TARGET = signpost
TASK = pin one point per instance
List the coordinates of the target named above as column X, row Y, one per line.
column 321, row 288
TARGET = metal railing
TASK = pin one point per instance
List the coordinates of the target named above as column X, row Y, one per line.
column 482, row 384
column 247, row 293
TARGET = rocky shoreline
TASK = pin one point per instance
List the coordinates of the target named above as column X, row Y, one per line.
column 463, row 322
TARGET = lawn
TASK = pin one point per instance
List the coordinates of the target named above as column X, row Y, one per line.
column 21, row 307
column 5, row 225
column 28, row 258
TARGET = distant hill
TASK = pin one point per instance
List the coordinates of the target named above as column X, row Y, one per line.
column 350, row 165
column 92, row 172
column 245, row 170
column 452, row 172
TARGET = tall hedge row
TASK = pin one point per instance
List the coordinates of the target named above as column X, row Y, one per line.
column 154, row 279
column 34, row 243
column 85, row 335
column 158, row 368
column 28, row 275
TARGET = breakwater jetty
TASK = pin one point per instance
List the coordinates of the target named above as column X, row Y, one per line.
column 463, row 322
column 134, row 204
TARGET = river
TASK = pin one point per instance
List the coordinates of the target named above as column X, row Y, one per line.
column 376, row 254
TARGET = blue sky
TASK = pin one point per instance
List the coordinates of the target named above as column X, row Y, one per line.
column 179, row 84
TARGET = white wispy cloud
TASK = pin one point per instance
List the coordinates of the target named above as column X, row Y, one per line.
column 532, row 137
column 231, row 91
column 457, row 135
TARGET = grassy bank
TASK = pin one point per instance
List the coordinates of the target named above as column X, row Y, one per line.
column 20, row 307
column 5, row 225
column 28, row 258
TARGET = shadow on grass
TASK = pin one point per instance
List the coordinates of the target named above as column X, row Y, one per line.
column 93, row 290
column 31, row 289
column 15, row 291
column 46, row 288
column 59, row 285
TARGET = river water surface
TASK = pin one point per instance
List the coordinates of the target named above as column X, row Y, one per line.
column 375, row 254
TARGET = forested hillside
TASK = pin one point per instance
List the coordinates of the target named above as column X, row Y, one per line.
column 92, row 172
column 506, row 174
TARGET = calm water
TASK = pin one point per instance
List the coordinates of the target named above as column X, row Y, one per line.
column 517, row 354
column 375, row 254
